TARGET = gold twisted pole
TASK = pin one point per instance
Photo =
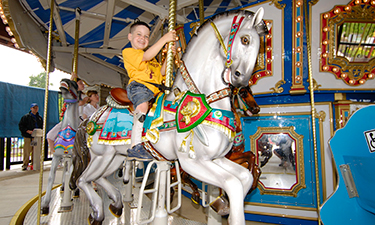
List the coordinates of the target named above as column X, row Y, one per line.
column 49, row 50
column 312, row 112
column 76, row 43
column 171, row 26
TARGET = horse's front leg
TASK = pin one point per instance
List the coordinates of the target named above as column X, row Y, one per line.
column 51, row 178
column 214, row 174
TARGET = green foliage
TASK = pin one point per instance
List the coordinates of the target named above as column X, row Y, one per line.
column 38, row 80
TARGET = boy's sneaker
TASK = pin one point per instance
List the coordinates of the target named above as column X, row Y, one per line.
column 139, row 153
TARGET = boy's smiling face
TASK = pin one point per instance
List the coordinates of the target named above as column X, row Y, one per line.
column 139, row 37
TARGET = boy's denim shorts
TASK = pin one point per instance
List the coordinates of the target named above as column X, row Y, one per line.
column 138, row 93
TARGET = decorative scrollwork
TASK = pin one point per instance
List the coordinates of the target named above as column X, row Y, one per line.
column 277, row 88
column 321, row 115
column 277, row 4
column 315, row 84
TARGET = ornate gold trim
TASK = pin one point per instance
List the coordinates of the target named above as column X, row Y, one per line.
column 264, row 66
column 278, row 88
column 282, row 215
column 297, row 57
column 351, row 73
column 280, row 206
column 277, row 4
column 300, row 168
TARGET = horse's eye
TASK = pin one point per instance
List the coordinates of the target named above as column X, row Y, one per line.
column 245, row 40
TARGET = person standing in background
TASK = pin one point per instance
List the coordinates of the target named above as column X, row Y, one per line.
column 27, row 124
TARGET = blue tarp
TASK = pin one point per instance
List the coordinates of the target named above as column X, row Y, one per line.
column 15, row 102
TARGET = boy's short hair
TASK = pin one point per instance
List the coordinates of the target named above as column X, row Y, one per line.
column 137, row 22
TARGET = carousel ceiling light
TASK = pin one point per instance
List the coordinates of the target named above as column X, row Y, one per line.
column 348, row 8
column 298, row 64
column 325, row 42
column 326, row 16
column 13, row 40
column 344, row 75
column 325, row 68
column 325, row 55
column 372, row 2
column 9, row 31
column 351, row 81
column 357, row 2
column 337, row 11
column 371, row 75
column 326, row 29
column 335, row 69
column 361, row 81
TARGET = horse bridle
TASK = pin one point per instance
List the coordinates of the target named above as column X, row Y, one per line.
column 236, row 23
column 225, row 92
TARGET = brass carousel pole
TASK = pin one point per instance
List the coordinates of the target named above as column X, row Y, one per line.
column 171, row 26
column 201, row 12
column 311, row 82
column 76, row 43
column 48, row 65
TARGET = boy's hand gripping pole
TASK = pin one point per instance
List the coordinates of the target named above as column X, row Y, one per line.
column 171, row 26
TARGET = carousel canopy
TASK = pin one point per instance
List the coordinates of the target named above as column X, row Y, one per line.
column 102, row 30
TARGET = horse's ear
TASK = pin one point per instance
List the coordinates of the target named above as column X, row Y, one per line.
column 258, row 17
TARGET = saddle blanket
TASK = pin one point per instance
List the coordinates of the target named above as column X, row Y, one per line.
column 117, row 127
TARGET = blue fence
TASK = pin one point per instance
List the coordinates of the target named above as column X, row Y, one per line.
column 15, row 102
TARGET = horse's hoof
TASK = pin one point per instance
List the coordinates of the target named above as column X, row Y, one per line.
column 125, row 181
column 115, row 211
column 76, row 193
column 44, row 211
column 220, row 206
column 92, row 221
column 195, row 197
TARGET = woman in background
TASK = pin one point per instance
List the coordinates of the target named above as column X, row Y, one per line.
column 92, row 104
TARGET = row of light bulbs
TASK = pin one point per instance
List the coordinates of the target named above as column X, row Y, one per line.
column 7, row 28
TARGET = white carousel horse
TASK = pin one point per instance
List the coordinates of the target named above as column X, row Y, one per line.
column 212, row 65
column 65, row 138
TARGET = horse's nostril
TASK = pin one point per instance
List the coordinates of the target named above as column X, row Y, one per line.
column 237, row 73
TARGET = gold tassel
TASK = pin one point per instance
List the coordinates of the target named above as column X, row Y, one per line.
column 183, row 147
column 191, row 147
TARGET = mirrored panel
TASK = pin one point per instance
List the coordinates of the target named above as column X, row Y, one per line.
column 279, row 152
column 347, row 42
column 356, row 41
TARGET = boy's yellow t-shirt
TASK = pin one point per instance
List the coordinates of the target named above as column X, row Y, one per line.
column 142, row 71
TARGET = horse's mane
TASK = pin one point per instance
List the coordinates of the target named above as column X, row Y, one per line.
column 70, row 82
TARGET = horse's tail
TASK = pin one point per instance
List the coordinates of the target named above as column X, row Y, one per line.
column 81, row 154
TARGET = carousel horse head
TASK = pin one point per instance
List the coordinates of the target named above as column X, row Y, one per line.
column 243, row 99
column 69, row 90
column 243, row 43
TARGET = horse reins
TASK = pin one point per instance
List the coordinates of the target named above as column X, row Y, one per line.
column 225, row 92
column 233, row 32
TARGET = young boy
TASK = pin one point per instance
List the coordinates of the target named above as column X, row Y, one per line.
column 142, row 68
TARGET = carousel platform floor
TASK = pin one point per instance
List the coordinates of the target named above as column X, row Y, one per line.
column 18, row 188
